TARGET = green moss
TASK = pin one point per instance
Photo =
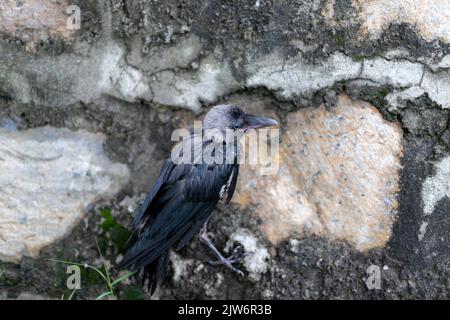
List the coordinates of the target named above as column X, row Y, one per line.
column 133, row 293
column 9, row 277
column 383, row 92
column 340, row 39
column 109, row 122
column 358, row 58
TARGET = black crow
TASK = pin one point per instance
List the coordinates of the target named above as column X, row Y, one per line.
column 186, row 193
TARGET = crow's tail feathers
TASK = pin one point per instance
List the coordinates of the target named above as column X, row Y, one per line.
column 155, row 272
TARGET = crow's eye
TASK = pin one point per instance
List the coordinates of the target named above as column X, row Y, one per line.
column 236, row 126
column 236, row 113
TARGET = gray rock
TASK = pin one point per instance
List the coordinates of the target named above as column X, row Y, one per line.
column 49, row 178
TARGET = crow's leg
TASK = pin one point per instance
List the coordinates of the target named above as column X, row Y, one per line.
column 228, row 262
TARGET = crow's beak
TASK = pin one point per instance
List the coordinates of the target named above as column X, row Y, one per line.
column 255, row 122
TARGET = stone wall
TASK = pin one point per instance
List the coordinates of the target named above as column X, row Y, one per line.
column 362, row 92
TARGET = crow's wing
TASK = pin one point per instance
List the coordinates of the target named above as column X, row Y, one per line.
column 184, row 199
column 143, row 212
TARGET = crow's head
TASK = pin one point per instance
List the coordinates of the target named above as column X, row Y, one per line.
column 228, row 116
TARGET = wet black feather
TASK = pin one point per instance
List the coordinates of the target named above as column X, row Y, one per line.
column 181, row 200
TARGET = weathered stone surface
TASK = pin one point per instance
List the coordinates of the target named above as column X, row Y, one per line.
column 294, row 77
column 32, row 21
column 436, row 187
column 49, row 177
column 431, row 18
column 115, row 77
column 398, row 98
column 396, row 73
column 183, row 75
column 338, row 177
column 181, row 54
column 437, row 85
column 444, row 63
column 212, row 80
column 257, row 256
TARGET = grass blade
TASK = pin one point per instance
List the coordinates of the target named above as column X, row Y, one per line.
column 122, row 278
column 104, row 295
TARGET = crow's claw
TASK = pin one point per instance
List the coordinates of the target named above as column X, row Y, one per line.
column 228, row 262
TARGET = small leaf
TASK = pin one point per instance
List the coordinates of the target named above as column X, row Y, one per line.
column 108, row 220
column 119, row 235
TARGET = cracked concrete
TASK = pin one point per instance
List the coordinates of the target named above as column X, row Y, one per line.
column 295, row 78
column 398, row 73
column 181, row 75
column 291, row 79
column 212, row 80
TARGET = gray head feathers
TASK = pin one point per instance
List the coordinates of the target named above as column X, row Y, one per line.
column 224, row 116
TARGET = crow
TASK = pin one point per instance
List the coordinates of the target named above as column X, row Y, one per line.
column 187, row 191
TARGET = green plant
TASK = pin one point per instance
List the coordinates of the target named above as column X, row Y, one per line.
column 104, row 275
column 115, row 232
